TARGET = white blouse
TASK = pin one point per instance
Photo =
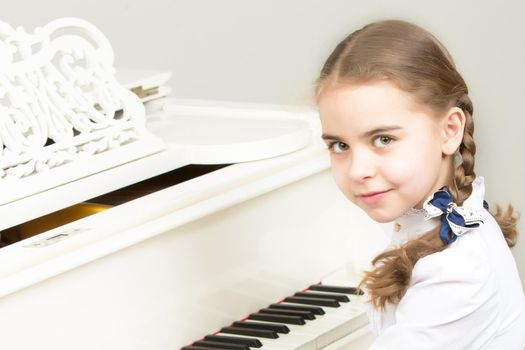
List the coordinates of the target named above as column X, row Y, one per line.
column 468, row 296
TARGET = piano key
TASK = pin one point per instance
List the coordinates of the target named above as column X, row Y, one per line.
column 220, row 345
column 279, row 328
column 344, row 311
column 296, row 338
column 263, row 333
column 253, row 343
column 307, row 315
column 191, row 347
column 336, row 331
column 339, row 297
column 313, row 309
column 277, row 318
column 267, row 344
column 313, row 301
column 336, row 289
column 310, row 329
column 332, row 323
column 336, row 323
column 323, row 330
column 345, row 326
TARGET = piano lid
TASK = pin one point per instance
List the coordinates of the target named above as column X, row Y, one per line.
column 222, row 132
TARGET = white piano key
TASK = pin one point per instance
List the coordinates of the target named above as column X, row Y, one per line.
column 360, row 339
column 303, row 334
column 315, row 334
column 267, row 344
column 298, row 338
column 335, row 323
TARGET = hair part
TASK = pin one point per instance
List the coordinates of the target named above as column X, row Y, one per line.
column 416, row 62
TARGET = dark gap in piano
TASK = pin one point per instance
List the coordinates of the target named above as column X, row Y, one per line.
column 94, row 205
column 155, row 184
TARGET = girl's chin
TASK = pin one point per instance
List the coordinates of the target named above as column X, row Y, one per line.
column 382, row 217
column 382, row 220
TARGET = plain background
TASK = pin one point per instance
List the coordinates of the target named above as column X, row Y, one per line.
column 270, row 51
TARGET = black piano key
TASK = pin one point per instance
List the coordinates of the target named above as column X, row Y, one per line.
column 219, row 345
column 261, row 333
column 279, row 328
column 313, row 309
column 307, row 315
column 195, row 348
column 277, row 318
column 335, row 289
column 251, row 342
column 312, row 301
column 339, row 297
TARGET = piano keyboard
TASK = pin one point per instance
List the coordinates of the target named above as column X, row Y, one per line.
column 308, row 320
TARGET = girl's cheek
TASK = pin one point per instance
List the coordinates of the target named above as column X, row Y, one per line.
column 399, row 167
column 414, row 168
column 406, row 157
column 342, row 180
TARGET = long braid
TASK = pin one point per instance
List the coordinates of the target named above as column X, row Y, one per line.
column 464, row 174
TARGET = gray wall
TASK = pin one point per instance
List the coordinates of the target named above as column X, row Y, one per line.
column 271, row 51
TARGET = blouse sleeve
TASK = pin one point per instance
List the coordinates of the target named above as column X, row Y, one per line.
column 451, row 304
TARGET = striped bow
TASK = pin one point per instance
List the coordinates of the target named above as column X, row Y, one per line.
column 453, row 218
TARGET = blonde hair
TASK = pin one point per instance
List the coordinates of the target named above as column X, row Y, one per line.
column 416, row 62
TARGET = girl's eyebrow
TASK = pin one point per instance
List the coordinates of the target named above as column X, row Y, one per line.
column 377, row 130
column 381, row 129
column 330, row 137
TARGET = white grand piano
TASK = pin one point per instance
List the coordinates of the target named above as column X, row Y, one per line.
column 209, row 220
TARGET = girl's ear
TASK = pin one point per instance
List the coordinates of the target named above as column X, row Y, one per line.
column 453, row 125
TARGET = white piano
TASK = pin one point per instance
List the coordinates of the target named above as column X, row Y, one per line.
column 211, row 216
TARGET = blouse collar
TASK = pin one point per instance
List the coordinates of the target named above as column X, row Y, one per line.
column 414, row 222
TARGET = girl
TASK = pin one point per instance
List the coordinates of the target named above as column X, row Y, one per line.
column 397, row 120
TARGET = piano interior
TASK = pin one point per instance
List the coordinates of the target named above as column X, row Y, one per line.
column 97, row 204
column 151, row 222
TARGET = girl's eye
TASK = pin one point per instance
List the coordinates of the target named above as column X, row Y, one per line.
column 382, row 141
column 337, row 147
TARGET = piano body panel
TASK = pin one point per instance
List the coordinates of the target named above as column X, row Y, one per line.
column 102, row 233
column 185, row 274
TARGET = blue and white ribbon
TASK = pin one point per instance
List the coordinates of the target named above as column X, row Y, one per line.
column 453, row 218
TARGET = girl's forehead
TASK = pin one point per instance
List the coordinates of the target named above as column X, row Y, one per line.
column 366, row 106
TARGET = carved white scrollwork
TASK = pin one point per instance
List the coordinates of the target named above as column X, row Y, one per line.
column 59, row 100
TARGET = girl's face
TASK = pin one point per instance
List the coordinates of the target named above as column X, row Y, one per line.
column 385, row 150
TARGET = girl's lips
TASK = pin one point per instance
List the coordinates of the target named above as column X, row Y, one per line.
column 373, row 197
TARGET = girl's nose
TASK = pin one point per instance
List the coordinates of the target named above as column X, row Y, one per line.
column 362, row 166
